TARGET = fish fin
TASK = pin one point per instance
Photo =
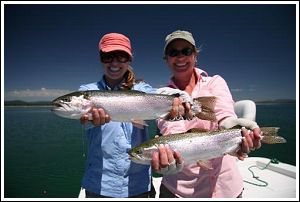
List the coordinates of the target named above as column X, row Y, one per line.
column 137, row 91
column 273, row 139
column 139, row 123
column 234, row 153
column 270, row 136
column 269, row 131
column 207, row 105
column 164, row 116
column 207, row 165
column 197, row 130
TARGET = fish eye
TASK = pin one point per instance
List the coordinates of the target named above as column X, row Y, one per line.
column 86, row 95
column 139, row 151
column 66, row 100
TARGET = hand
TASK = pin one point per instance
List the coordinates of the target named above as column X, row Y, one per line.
column 180, row 107
column 180, row 110
column 250, row 142
column 166, row 161
column 186, row 98
column 177, row 110
column 99, row 117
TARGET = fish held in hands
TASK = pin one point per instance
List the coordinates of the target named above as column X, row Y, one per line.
column 200, row 147
column 127, row 106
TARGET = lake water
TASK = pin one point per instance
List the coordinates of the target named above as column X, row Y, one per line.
column 44, row 154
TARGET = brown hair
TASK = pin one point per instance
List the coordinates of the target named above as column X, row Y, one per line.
column 129, row 79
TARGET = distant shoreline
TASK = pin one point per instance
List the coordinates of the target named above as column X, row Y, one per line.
column 276, row 102
column 20, row 103
column 27, row 105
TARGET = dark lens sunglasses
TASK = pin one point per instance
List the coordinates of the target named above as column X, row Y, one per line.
column 185, row 51
column 121, row 57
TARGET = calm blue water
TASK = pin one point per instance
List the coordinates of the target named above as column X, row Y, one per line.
column 44, row 154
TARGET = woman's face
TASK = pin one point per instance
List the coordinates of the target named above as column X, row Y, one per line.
column 115, row 64
column 181, row 58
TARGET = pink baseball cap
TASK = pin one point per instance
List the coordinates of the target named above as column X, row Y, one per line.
column 113, row 42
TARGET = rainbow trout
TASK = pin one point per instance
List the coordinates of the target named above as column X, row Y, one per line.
column 197, row 147
column 127, row 106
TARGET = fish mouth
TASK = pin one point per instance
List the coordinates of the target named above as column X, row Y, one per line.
column 132, row 155
column 137, row 158
column 61, row 106
column 57, row 105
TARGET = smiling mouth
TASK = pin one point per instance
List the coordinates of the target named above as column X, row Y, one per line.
column 181, row 66
column 114, row 69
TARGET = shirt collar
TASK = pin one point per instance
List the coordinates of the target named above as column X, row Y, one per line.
column 199, row 72
column 102, row 84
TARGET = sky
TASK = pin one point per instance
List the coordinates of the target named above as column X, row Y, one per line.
column 51, row 49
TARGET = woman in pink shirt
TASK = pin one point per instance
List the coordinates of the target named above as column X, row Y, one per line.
column 224, row 179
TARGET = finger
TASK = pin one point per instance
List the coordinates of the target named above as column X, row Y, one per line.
column 169, row 154
column 251, row 135
column 245, row 146
column 247, row 136
column 163, row 157
column 257, row 138
column 252, row 141
column 188, row 112
column 181, row 110
column 96, row 118
column 257, row 133
column 155, row 161
column 257, row 143
column 241, row 155
column 102, row 116
column 187, row 106
column 84, row 119
column 174, row 111
column 179, row 100
column 172, row 167
column 178, row 157
column 107, row 118
column 180, row 106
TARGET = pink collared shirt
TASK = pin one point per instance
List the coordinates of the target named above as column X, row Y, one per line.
column 224, row 180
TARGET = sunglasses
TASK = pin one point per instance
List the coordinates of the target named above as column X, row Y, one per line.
column 120, row 56
column 185, row 52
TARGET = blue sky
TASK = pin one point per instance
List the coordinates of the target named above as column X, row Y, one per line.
column 51, row 49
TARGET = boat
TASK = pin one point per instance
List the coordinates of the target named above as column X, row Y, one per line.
column 268, row 178
column 263, row 178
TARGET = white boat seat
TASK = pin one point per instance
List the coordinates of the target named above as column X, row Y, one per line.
column 245, row 109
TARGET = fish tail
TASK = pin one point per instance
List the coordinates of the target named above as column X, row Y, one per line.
column 270, row 135
column 207, row 106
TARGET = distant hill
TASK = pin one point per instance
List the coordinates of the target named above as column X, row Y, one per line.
column 277, row 101
column 23, row 103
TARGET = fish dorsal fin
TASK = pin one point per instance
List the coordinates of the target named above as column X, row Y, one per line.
column 137, row 91
column 207, row 165
column 197, row 130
